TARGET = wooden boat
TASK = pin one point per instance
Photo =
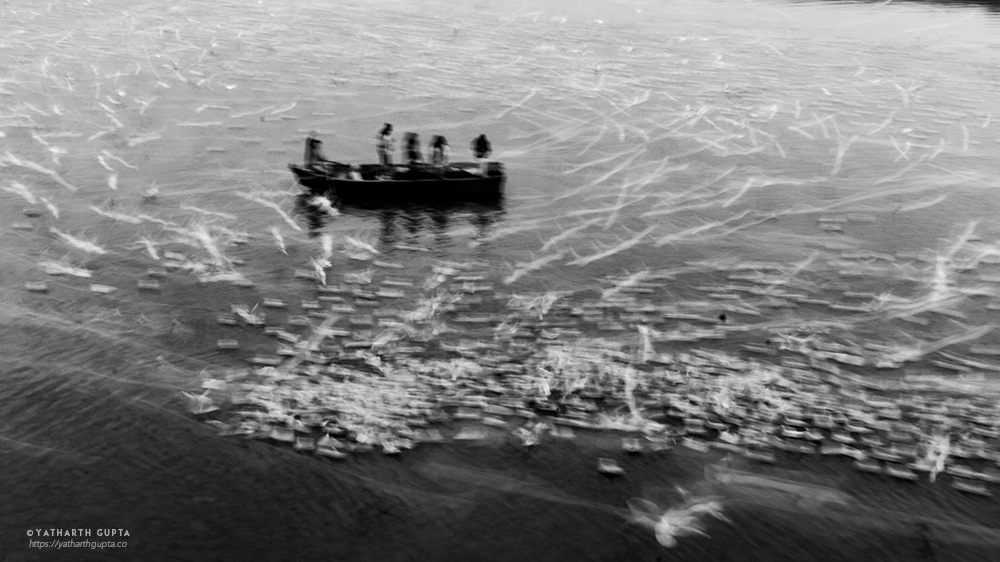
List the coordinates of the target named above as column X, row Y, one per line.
column 460, row 181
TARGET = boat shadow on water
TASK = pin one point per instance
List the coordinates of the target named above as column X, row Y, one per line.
column 401, row 219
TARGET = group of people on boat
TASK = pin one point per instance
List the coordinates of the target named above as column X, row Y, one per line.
column 439, row 151
column 438, row 148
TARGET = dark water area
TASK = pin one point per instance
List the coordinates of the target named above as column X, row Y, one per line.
column 752, row 215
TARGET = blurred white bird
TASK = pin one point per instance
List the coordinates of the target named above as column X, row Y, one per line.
column 199, row 403
column 677, row 522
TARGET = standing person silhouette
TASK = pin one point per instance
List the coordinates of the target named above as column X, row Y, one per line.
column 412, row 148
column 481, row 150
column 384, row 146
column 314, row 159
column 440, row 151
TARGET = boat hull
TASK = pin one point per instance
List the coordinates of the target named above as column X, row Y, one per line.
column 402, row 185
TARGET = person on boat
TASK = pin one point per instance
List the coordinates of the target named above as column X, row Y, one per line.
column 481, row 150
column 440, row 151
column 385, row 146
column 314, row 158
column 413, row 154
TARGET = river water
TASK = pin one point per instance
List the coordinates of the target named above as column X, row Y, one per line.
column 784, row 176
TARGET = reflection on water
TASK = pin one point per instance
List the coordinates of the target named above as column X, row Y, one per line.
column 398, row 222
column 407, row 223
